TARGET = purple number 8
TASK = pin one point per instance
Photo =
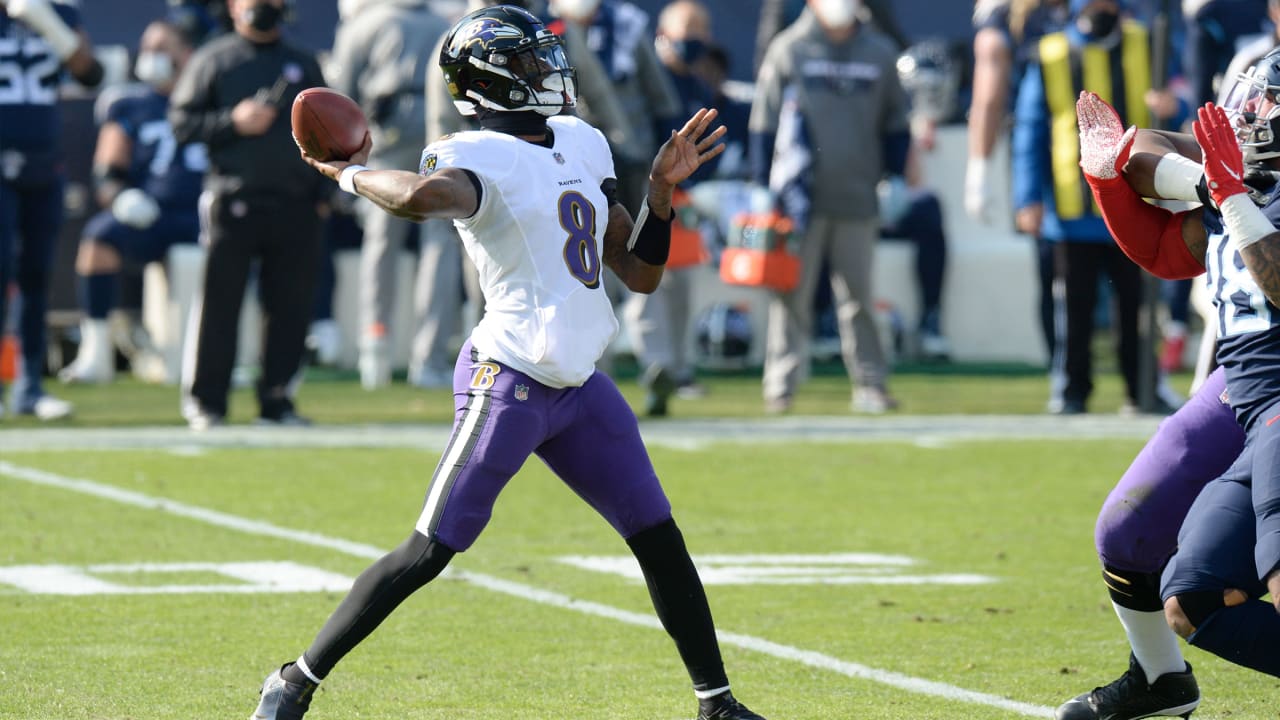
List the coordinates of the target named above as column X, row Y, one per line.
column 578, row 218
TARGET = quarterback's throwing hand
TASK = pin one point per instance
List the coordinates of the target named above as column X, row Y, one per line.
column 686, row 150
column 1223, row 161
column 333, row 168
column 1104, row 143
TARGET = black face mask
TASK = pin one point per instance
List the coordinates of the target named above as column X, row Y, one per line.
column 265, row 17
column 1097, row 25
column 525, row 122
column 689, row 50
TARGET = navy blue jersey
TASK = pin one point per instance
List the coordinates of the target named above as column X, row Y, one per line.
column 1248, row 325
column 29, row 77
column 169, row 172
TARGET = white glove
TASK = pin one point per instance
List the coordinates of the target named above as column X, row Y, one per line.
column 135, row 208
column 977, row 190
column 1104, row 143
column 895, row 200
column 40, row 16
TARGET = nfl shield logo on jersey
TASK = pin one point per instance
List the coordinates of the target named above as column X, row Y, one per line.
column 522, row 392
column 559, row 158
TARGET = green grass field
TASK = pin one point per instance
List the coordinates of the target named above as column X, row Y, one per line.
column 515, row 631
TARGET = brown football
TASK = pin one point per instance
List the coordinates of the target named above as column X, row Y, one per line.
column 327, row 125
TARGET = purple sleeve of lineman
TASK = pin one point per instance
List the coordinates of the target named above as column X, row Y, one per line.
column 1137, row 529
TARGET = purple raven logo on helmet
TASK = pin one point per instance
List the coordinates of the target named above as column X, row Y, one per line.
column 483, row 31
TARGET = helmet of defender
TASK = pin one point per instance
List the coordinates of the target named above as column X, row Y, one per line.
column 503, row 59
column 1252, row 102
column 931, row 79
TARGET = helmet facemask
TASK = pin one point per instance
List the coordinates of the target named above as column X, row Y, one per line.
column 544, row 82
column 1253, row 105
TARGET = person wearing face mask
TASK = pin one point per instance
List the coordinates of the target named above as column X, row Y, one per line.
column 777, row 14
column 832, row 78
column 45, row 39
column 148, row 186
column 261, row 203
column 1102, row 50
column 658, row 322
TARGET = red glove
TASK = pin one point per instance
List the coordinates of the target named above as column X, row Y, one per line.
column 1223, row 161
column 1104, row 143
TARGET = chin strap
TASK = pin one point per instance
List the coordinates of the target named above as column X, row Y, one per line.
column 523, row 122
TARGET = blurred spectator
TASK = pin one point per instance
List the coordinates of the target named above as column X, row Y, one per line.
column 931, row 80
column 735, row 114
column 827, row 78
column 262, row 203
column 658, row 322
column 618, row 33
column 218, row 11
column 1252, row 52
column 1049, row 198
column 44, row 39
column 149, row 187
column 1215, row 29
column 381, row 57
column 777, row 14
column 194, row 20
column 1007, row 36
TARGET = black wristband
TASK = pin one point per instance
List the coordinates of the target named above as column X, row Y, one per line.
column 651, row 238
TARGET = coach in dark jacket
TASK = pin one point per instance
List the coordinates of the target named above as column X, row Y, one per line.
column 261, row 202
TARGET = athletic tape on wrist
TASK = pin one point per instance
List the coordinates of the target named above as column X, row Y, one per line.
column 1176, row 177
column 1244, row 221
column 347, row 178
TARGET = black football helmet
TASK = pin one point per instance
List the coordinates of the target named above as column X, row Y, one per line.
column 504, row 59
column 1252, row 102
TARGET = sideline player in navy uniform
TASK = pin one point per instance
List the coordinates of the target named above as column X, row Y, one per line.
column 533, row 199
column 38, row 39
column 1228, row 550
column 149, row 186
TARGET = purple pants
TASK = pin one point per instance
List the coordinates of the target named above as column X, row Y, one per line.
column 587, row 435
column 1137, row 529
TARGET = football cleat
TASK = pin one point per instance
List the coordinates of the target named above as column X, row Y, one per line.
column 724, row 707
column 47, row 408
column 286, row 418
column 873, row 400
column 283, row 700
column 1129, row 697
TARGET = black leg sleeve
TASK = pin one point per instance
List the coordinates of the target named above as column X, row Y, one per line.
column 680, row 602
column 379, row 590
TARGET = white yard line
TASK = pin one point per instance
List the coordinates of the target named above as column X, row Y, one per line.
column 687, row 434
column 519, row 590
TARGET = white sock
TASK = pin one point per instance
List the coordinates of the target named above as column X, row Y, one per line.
column 1153, row 643
column 708, row 694
column 95, row 343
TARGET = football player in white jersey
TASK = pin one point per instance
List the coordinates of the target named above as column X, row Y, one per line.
column 532, row 196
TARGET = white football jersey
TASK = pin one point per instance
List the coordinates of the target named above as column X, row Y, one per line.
column 537, row 241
